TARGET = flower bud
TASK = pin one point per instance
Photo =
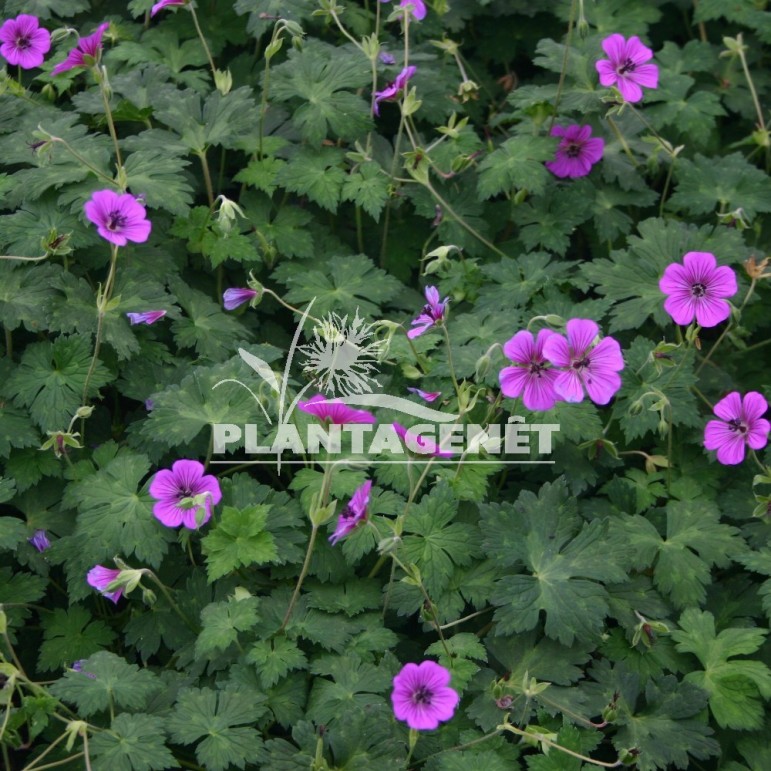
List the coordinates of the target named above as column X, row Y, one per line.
column 223, row 81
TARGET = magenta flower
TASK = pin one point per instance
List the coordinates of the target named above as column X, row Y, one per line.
column 741, row 424
column 697, row 289
column 334, row 411
column 145, row 317
column 184, row 494
column 119, row 218
column 432, row 313
column 100, row 578
column 533, row 378
column 422, row 696
column 232, row 298
column 165, row 4
column 40, row 540
column 24, row 42
column 394, row 89
column 354, row 513
column 90, row 47
column 584, row 363
column 625, row 67
column 420, row 444
column 426, row 396
column 577, row 151
column 417, row 8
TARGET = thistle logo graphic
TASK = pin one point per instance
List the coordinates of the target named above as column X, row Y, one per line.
column 341, row 362
column 342, row 357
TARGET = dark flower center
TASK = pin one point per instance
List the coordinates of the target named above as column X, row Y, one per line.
column 23, row 42
column 737, row 425
column 698, row 290
column 573, row 149
column 627, row 66
column 435, row 313
column 581, row 363
column 115, row 220
column 348, row 512
column 422, row 695
column 536, row 369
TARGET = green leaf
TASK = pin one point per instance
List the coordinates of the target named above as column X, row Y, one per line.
column 317, row 174
column 222, row 717
column 567, row 564
column 261, row 173
column 695, row 540
column 222, row 621
column 367, row 187
column 45, row 9
column 114, row 682
column 133, row 743
column 13, row 531
column 159, row 176
column 233, row 246
column 727, row 183
column 16, row 430
column 274, row 658
column 26, row 292
column 50, row 378
column 70, row 635
column 316, row 75
column 238, row 540
column 517, row 163
column 344, row 285
column 734, row 685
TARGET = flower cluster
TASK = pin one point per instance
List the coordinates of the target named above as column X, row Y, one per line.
column 551, row 367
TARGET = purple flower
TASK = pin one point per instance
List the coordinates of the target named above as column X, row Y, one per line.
column 354, row 513
column 90, row 47
column 625, row 67
column 334, row 411
column 533, row 379
column 386, row 58
column 78, row 667
column 426, row 396
column 40, row 540
column 24, row 41
column 164, row 4
column 149, row 404
column 100, row 578
column 420, row 444
column 232, row 298
column 577, row 151
column 422, row 696
column 697, row 289
column 394, row 89
column 432, row 313
column 145, row 317
column 182, row 491
column 584, row 363
column 119, row 218
column 741, row 423
column 417, row 7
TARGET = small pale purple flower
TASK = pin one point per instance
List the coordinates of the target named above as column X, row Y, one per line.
column 577, row 151
column 24, row 42
column 697, row 290
column 392, row 90
column 145, row 317
column 417, row 8
column 354, row 513
column 625, row 67
column 165, row 4
column 422, row 696
column 78, row 667
column 184, row 494
column 100, row 578
column 584, row 363
column 334, row 411
column 149, row 405
column 426, row 396
column 432, row 313
column 90, row 47
column 386, row 58
column 232, row 298
column 533, row 378
column 419, row 444
column 40, row 540
column 119, row 218
column 741, row 425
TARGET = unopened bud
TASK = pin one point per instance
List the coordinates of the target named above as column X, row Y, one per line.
column 223, row 81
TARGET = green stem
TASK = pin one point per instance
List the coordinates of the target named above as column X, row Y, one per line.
column 303, row 573
column 8, row 343
column 564, row 67
column 450, row 362
column 57, row 763
column 667, row 183
column 755, row 100
column 45, row 752
column 206, row 177
column 167, row 594
column 203, row 41
column 82, row 160
column 622, row 139
column 100, row 79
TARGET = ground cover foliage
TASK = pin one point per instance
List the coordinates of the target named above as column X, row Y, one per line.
column 611, row 608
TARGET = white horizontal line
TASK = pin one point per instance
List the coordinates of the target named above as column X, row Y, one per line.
column 387, row 462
